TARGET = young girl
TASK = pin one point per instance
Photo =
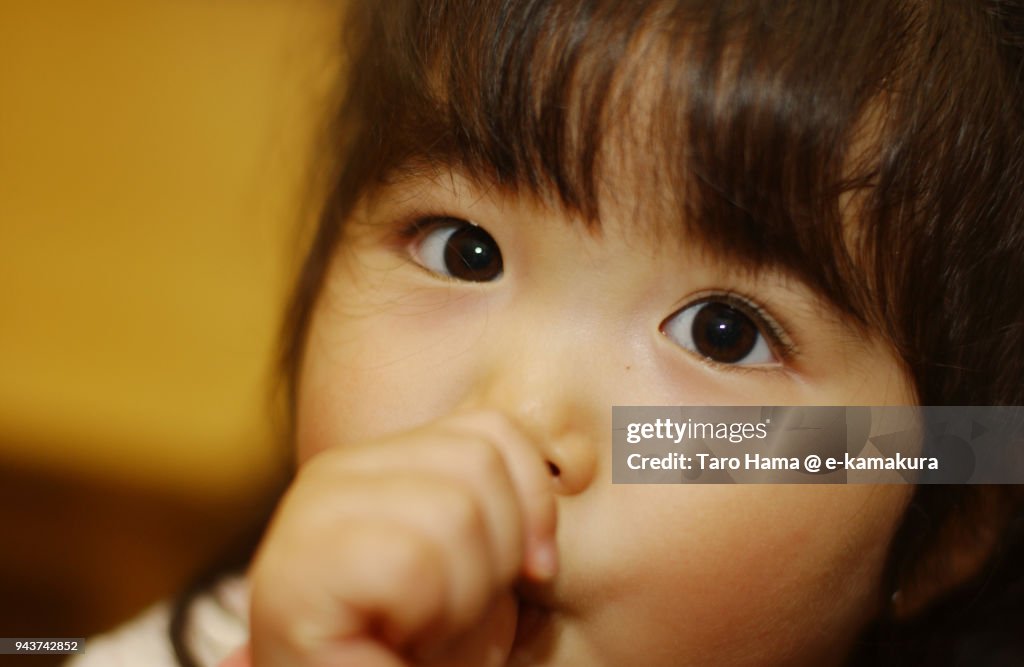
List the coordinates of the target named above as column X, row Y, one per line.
column 545, row 208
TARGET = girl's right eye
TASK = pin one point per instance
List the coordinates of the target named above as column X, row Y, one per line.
column 459, row 250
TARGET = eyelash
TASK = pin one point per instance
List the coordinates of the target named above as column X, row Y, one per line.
column 412, row 228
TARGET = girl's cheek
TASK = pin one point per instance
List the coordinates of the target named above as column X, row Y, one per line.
column 383, row 363
column 729, row 572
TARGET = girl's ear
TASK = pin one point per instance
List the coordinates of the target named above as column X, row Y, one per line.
column 943, row 554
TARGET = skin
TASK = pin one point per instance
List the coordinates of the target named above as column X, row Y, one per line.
column 454, row 458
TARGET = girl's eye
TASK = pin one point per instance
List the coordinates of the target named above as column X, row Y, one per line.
column 459, row 250
column 721, row 332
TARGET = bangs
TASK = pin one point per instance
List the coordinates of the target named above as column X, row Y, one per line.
column 727, row 120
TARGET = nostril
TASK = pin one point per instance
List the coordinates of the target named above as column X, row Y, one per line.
column 571, row 461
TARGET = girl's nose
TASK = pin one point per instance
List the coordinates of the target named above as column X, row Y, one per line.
column 551, row 401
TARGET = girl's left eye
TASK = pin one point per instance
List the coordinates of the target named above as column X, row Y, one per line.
column 720, row 332
column 459, row 249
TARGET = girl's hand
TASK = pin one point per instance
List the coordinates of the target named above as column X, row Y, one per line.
column 403, row 551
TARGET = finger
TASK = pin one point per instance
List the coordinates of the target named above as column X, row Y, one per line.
column 444, row 512
column 467, row 461
column 338, row 610
column 533, row 487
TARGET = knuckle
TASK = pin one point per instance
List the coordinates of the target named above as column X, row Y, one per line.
column 370, row 548
column 463, row 514
column 483, row 460
column 409, row 561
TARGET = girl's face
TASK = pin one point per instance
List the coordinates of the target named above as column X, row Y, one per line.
column 552, row 323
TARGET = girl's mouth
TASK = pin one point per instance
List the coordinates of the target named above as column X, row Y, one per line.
column 530, row 620
column 534, row 628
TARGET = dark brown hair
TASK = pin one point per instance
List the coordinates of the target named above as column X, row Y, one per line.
column 872, row 149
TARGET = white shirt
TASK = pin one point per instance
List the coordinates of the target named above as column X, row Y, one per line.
column 218, row 624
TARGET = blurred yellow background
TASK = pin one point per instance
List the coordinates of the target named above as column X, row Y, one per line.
column 154, row 158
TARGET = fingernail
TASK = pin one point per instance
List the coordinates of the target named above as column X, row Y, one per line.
column 544, row 560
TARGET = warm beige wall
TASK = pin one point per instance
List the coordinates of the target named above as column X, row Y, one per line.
column 152, row 161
